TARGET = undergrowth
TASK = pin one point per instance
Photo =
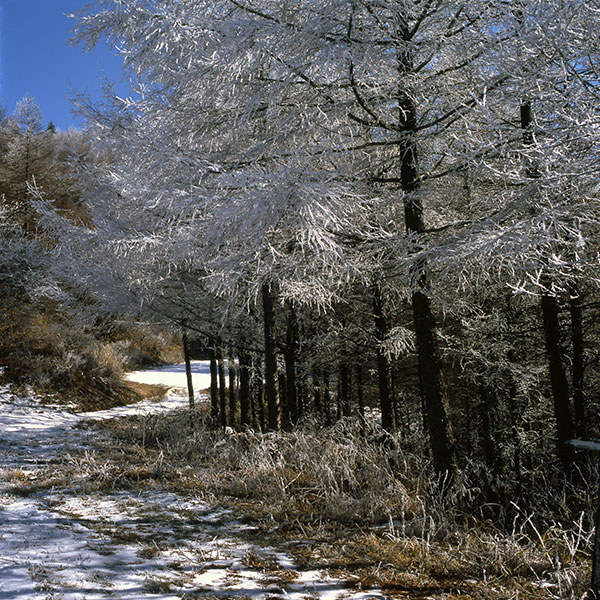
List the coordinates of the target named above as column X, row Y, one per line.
column 392, row 511
column 76, row 363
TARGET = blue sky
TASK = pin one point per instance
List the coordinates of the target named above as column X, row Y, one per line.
column 36, row 59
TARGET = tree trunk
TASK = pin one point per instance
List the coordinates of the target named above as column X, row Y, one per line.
column 245, row 370
column 360, row 391
column 271, row 379
column 344, row 388
column 383, row 367
column 222, row 386
column 488, row 408
column 214, row 386
column 326, row 398
column 232, row 390
column 188, row 372
column 302, row 387
column 577, row 358
column 317, row 393
column 595, row 581
column 514, row 423
column 515, row 413
column 291, row 345
column 565, row 429
column 257, row 394
column 441, row 438
column 283, row 405
column 395, row 399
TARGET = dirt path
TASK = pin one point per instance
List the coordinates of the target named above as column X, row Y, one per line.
column 63, row 535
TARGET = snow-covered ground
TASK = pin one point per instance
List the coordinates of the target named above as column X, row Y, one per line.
column 174, row 375
column 69, row 543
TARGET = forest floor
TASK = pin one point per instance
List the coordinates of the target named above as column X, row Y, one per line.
column 69, row 531
column 85, row 517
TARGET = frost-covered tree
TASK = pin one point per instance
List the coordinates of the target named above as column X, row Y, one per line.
column 292, row 113
column 294, row 151
column 27, row 149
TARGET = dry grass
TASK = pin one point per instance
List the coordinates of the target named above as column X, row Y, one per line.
column 43, row 348
column 337, row 500
column 358, row 506
column 148, row 390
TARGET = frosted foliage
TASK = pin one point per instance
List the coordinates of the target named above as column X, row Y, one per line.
column 399, row 341
column 262, row 142
column 534, row 208
column 223, row 172
column 28, row 117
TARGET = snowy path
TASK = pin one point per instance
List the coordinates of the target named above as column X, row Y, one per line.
column 174, row 375
column 70, row 542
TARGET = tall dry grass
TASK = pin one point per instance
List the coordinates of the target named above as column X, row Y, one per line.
column 356, row 476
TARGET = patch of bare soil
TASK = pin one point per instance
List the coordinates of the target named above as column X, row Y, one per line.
column 102, row 394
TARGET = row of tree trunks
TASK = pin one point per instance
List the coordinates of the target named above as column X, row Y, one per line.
column 286, row 393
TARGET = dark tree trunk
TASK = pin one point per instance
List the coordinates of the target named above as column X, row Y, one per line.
column 257, row 396
column 441, row 438
column 283, row 405
column 577, row 358
column 271, row 378
column 232, row 390
column 489, row 444
column 345, row 389
column 291, row 345
column 360, row 391
column 222, row 386
column 518, row 452
column 515, row 414
column 317, row 392
column 395, row 400
column 188, row 372
column 326, row 398
column 383, row 366
column 469, row 427
column 565, row 429
column 595, row 581
column 514, row 423
column 214, row 385
column 301, row 389
column 245, row 370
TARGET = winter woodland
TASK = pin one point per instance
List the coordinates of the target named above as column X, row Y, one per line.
column 367, row 209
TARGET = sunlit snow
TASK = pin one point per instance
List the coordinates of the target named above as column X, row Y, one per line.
column 174, row 375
